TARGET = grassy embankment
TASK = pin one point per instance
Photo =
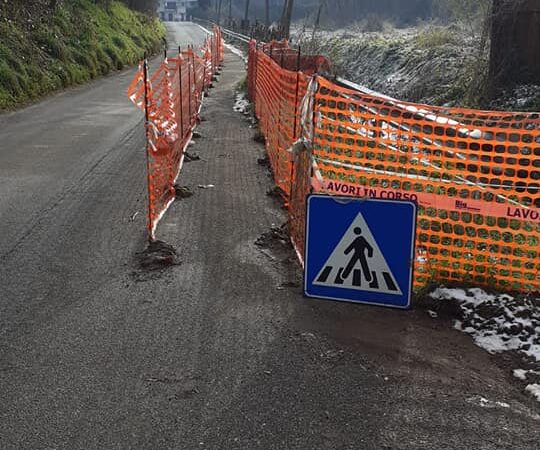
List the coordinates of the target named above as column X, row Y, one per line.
column 78, row 42
column 437, row 65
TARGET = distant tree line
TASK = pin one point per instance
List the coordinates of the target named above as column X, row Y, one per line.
column 337, row 12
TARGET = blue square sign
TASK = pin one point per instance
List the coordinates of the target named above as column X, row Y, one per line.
column 360, row 250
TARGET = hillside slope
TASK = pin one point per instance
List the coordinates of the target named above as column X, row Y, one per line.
column 41, row 52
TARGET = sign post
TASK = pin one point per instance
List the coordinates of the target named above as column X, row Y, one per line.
column 360, row 250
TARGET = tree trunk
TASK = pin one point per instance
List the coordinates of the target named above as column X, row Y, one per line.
column 515, row 43
column 318, row 19
column 219, row 12
column 267, row 13
column 286, row 19
column 246, row 13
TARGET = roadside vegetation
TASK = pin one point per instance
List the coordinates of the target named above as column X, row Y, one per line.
column 43, row 49
column 438, row 64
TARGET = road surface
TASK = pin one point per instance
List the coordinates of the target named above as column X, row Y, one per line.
column 221, row 352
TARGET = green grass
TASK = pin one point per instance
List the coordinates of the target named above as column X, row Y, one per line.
column 79, row 42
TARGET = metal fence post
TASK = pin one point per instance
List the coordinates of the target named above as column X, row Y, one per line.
column 147, row 132
column 189, row 85
column 180, row 62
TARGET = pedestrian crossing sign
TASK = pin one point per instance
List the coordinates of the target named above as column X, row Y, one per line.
column 360, row 250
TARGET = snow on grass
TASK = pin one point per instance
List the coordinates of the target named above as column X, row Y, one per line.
column 485, row 403
column 241, row 104
column 534, row 389
column 425, row 64
column 499, row 323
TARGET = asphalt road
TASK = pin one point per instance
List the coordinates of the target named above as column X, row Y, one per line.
column 222, row 351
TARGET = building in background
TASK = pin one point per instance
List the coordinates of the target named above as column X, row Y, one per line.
column 175, row 11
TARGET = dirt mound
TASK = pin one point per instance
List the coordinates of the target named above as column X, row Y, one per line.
column 277, row 237
column 157, row 256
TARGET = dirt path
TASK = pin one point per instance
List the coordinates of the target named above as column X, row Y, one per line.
column 280, row 371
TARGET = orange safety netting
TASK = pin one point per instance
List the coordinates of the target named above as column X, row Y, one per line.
column 172, row 98
column 474, row 174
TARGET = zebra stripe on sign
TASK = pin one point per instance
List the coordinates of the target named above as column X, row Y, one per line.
column 358, row 263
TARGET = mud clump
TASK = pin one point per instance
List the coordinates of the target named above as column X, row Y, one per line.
column 276, row 192
column 157, row 256
column 264, row 162
column 190, row 157
column 276, row 238
column 183, row 191
column 259, row 137
column 448, row 310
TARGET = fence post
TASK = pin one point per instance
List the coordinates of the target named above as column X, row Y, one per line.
column 295, row 157
column 189, row 85
column 204, row 92
column 180, row 62
column 298, row 59
column 194, row 79
column 147, row 132
column 256, row 71
column 214, row 52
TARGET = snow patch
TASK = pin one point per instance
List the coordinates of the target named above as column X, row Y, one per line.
column 485, row 403
column 534, row 389
column 499, row 323
column 241, row 104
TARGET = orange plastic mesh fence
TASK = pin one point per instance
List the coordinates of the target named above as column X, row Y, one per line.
column 171, row 99
column 474, row 174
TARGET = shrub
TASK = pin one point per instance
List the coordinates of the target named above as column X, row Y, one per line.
column 8, row 79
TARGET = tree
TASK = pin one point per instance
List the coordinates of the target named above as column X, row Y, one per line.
column 286, row 18
column 246, row 12
column 515, row 43
column 267, row 13
column 220, row 2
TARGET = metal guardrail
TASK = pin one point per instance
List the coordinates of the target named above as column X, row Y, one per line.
column 234, row 34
